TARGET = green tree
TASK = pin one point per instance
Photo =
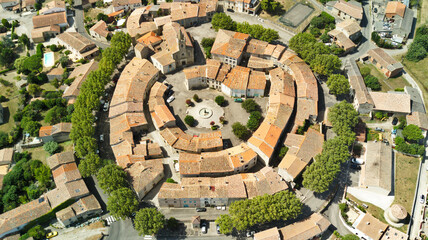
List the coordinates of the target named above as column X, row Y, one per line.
column 172, row 223
column 189, row 120
column 51, row 147
column 149, row 221
column 343, row 117
column 196, row 98
column 325, row 64
column 225, row 223
column 24, row 40
column 85, row 145
column 55, row 115
column 102, row 16
column 240, row 131
column 32, row 127
column 111, row 177
column 412, row 133
column 416, row 52
column 33, row 192
column 5, row 23
column 42, row 174
column 372, row 82
column 33, row 64
column 122, row 202
column 250, row 105
column 299, row 41
column 19, row 64
column 37, row 232
column 283, row 151
column 338, row 84
column 219, row 100
column 207, row 42
column 90, row 164
column 7, row 56
column 223, row 21
column 365, row 71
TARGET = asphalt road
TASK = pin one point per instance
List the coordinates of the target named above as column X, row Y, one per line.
column 80, row 27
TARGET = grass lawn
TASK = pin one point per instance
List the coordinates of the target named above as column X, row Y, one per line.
column 372, row 134
column 92, row 13
column 40, row 154
column 285, row 4
column 388, row 84
column 419, row 71
column 406, row 169
column 423, row 13
column 48, row 87
column 12, row 106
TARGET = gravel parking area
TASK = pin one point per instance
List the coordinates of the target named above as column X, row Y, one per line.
column 233, row 111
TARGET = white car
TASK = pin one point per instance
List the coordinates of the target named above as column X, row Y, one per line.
column 102, row 138
column 170, row 99
column 204, row 228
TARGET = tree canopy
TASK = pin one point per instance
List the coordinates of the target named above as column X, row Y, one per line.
column 338, row 84
column 250, row 105
column 240, row 131
column 412, row 133
column 149, row 221
column 111, row 177
column 90, row 164
column 51, row 147
column 260, row 210
column 122, row 202
column 84, row 146
column 223, row 21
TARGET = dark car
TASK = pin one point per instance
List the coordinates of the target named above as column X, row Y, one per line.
column 355, row 166
column 230, row 10
column 201, row 209
column 394, row 121
column 169, row 93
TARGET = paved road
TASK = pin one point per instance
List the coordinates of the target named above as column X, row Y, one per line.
column 284, row 35
column 80, row 27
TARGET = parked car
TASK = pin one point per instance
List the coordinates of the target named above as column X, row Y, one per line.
column 102, row 138
column 230, row 10
column 422, row 198
column 357, row 161
column 238, row 100
column 51, row 234
column 355, row 166
column 379, row 129
column 169, row 93
column 170, row 99
column 394, row 121
column 168, row 86
column 218, row 229
column 394, row 131
column 201, row 209
column 204, row 228
column 106, row 105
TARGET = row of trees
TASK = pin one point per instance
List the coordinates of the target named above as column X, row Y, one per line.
column 88, row 101
column 320, row 174
column 223, row 21
column 316, row 54
column 419, row 48
column 20, row 186
column 259, row 210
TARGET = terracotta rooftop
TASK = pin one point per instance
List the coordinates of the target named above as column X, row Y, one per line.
column 50, row 19
column 237, row 78
column 356, row 81
column 259, row 63
column 101, row 28
column 419, row 119
column 162, row 115
column 150, row 38
column 384, row 59
column 66, row 173
column 142, row 174
column 76, row 41
column 391, row 102
column 395, row 8
column 59, row 159
column 371, row 226
column 230, row 44
column 79, row 74
column 350, row 9
column 306, row 229
column 349, row 26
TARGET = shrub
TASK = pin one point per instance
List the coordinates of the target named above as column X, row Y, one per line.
column 189, row 120
column 196, row 98
column 188, row 102
column 53, row 48
column 283, row 151
column 365, row 71
column 240, row 131
column 250, row 105
column 170, row 180
column 372, row 82
column 219, row 100
column 51, row 147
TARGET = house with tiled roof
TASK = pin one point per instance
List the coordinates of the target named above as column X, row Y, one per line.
column 211, row 75
column 369, row 227
column 347, row 10
column 59, row 159
column 144, row 175
column 233, row 160
column 391, row 102
column 220, row 191
column 177, row 139
column 6, row 156
column 419, row 119
column 384, row 62
column 177, row 49
column 126, row 4
column 43, row 33
column 309, row 228
column 300, row 154
column 84, row 208
column 136, row 26
column 53, row 7
column 260, row 64
column 256, row 84
column 58, row 133
column 363, row 101
column 79, row 74
column 229, row 47
column 9, row 4
column 342, row 41
column 243, row 6
column 80, row 46
column 100, row 31
column 265, row 139
column 45, row 26
column 162, row 117
column 379, row 176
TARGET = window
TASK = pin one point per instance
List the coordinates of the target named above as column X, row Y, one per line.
column 184, row 201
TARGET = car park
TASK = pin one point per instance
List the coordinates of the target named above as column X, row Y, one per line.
column 201, row 209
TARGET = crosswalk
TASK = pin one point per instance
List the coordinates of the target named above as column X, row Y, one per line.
column 110, row 220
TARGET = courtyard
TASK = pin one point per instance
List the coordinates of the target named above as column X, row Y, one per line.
column 233, row 112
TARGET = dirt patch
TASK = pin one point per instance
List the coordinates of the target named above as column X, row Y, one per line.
column 95, row 225
column 95, row 237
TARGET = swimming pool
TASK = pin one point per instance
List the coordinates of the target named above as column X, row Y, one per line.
column 48, row 59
